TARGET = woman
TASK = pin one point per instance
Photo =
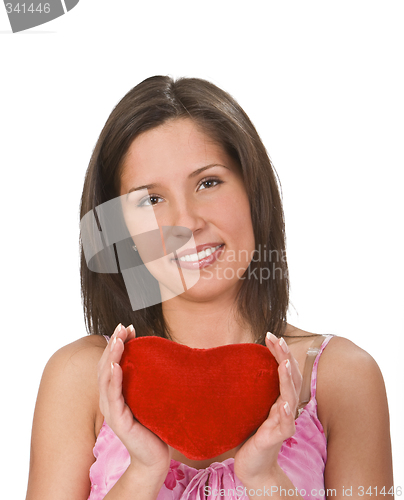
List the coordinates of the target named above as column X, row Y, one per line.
column 183, row 155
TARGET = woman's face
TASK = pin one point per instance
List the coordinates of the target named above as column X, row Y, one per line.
column 198, row 186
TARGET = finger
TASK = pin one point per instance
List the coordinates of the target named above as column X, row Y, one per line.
column 287, row 420
column 125, row 334
column 277, row 346
column 114, row 349
column 281, row 419
column 278, row 426
column 114, row 393
column 121, row 333
column 104, row 358
column 281, row 352
column 131, row 333
column 119, row 414
column 117, row 344
column 287, row 387
column 112, row 353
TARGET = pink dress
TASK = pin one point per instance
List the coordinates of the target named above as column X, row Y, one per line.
column 302, row 458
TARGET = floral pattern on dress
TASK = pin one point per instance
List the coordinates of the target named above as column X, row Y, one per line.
column 174, row 474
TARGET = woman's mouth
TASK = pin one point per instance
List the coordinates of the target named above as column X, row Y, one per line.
column 198, row 260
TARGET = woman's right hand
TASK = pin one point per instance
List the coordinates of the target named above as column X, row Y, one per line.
column 147, row 451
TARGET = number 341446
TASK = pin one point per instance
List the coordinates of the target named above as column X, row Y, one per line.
column 27, row 8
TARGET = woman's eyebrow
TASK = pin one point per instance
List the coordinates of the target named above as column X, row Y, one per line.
column 190, row 176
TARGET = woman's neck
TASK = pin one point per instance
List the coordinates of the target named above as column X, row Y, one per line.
column 204, row 325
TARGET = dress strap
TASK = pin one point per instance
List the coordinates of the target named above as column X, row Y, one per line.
column 314, row 372
column 308, row 390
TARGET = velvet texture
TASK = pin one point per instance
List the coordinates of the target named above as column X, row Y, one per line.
column 202, row 402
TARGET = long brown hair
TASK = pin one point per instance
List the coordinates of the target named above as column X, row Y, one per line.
column 262, row 303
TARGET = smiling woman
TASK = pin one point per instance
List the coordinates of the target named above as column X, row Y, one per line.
column 156, row 147
column 209, row 200
column 183, row 239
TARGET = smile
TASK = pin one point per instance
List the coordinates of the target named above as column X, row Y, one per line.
column 200, row 259
column 193, row 257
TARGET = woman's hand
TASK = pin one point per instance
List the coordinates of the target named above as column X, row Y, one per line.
column 147, row 451
column 257, row 460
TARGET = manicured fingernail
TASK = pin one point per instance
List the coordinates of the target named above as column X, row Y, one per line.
column 112, row 369
column 284, row 345
column 131, row 328
column 286, row 407
column 117, row 329
column 271, row 337
column 287, row 364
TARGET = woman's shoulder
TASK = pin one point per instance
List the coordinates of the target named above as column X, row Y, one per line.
column 352, row 407
column 75, row 366
column 69, row 384
column 79, row 358
column 349, row 382
column 341, row 356
column 344, row 364
column 85, row 348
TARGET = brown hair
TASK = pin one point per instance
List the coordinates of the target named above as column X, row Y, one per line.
column 262, row 304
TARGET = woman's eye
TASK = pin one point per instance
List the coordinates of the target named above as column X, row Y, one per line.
column 148, row 201
column 152, row 199
column 208, row 183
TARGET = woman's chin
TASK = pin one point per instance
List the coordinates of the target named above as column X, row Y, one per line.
column 203, row 291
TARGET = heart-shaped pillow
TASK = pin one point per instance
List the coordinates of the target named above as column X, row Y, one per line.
column 201, row 402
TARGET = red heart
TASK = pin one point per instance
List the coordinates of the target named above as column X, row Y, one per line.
column 202, row 402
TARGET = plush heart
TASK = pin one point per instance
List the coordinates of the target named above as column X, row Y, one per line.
column 201, row 402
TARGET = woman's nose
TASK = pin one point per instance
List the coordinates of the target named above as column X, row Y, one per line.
column 187, row 214
column 180, row 224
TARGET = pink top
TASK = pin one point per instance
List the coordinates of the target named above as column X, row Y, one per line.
column 302, row 458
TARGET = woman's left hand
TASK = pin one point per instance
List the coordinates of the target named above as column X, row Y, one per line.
column 257, row 460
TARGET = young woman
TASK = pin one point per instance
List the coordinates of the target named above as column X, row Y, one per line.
column 184, row 155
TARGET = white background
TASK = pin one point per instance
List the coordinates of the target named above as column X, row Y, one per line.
column 323, row 83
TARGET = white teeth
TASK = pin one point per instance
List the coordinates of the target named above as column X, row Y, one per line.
column 200, row 255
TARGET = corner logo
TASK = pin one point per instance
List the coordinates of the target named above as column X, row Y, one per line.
column 28, row 14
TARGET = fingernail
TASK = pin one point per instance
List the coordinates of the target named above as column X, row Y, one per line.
column 271, row 337
column 112, row 369
column 117, row 329
column 131, row 328
column 284, row 345
column 286, row 407
column 287, row 364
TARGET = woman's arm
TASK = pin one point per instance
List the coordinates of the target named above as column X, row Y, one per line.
column 63, row 432
column 64, row 428
column 352, row 405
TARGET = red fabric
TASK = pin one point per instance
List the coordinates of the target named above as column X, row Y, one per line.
column 202, row 402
